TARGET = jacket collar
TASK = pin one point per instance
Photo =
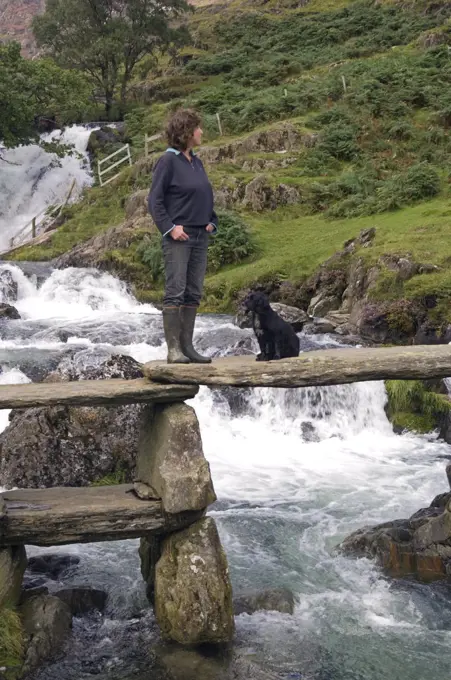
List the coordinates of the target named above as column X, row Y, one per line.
column 177, row 152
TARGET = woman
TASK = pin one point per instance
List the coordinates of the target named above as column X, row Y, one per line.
column 181, row 204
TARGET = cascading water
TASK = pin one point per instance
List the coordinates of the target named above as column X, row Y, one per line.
column 294, row 470
column 32, row 179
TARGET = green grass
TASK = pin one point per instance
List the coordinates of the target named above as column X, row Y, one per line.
column 113, row 479
column 292, row 247
column 12, row 643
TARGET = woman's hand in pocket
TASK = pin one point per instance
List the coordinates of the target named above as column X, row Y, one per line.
column 179, row 234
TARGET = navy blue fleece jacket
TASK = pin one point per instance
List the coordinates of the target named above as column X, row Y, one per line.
column 180, row 193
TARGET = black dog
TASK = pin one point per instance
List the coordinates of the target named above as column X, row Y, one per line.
column 275, row 336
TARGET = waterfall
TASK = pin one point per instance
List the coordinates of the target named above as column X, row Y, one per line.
column 32, row 179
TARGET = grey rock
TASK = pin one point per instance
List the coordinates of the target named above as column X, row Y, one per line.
column 13, row 560
column 72, row 446
column 83, row 600
column 8, row 312
column 52, row 565
column 171, row 459
column 274, row 599
column 8, row 286
column 47, row 622
column 193, row 594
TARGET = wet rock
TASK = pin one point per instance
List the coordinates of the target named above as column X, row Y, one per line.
column 105, row 139
column 149, row 554
column 52, row 565
column 429, row 334
column 237, row 401
column 73, row 446
column 448, row 473
column 8, row 287
column 8, row 312
column 28, row 593
column 274, row 599
column 83, row 600
column 171, row 459
column 193, row 594
column 201, row 664
column 47, row 622
column 419, row 546
column 13, row 561
column 445, row 430
column 319, row 327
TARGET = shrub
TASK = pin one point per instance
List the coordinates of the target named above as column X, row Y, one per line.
column 231, row 244
column 151, row 254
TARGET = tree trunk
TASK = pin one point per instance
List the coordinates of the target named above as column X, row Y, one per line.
column 108, row 103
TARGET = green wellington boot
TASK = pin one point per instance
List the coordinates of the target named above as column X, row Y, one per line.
column 171, row 323
column 187, row 319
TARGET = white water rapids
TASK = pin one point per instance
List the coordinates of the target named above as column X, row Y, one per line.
column 295, row 471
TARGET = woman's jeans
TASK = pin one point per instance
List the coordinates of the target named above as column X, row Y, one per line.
column 185, row 264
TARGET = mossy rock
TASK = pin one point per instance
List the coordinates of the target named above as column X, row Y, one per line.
column 12, row 644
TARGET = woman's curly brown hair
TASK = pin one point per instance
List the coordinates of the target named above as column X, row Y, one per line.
column 180, row 128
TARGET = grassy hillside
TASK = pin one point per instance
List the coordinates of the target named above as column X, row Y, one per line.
column 366, row 81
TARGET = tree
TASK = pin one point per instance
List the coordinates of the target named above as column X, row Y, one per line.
column 32, row 88
column 107, row 38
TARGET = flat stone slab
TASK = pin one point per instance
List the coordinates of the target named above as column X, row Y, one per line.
column 321, row 367
column 65, row 515
column 92, row 393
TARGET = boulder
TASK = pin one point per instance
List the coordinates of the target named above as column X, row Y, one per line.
column 258, row 195
column 293, row 315
column 193, row 593
column 322, row 304
column 47, row 622
column 73, row 446
column 13, row 561
column 83, row 600
column 296, row 317
column 106, row 139
column 136, row 204
column 419, row 546
column 171, row 459
column 8, row 312
column 52, row 565
column 178, row 663
column 274, row 599
column 8, row 286
column 95, row 252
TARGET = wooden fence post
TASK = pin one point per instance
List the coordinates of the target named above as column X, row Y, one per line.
column 219, row 124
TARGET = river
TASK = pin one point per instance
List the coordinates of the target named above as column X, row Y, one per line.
column 294, row 470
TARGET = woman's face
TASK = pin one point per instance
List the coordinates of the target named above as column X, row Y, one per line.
column 197, row 136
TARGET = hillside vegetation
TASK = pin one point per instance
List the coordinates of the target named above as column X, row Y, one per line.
column 358, row 92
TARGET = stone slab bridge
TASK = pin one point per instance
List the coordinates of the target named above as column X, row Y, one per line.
column 182, row 559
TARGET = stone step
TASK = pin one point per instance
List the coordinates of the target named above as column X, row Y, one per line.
column 92, row 393
column 321, row 367
column 65, row 515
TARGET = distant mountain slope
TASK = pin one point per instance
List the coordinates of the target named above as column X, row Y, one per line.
column 15, row 22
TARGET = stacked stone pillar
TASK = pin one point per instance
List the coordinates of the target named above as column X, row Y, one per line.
column 186, row 572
